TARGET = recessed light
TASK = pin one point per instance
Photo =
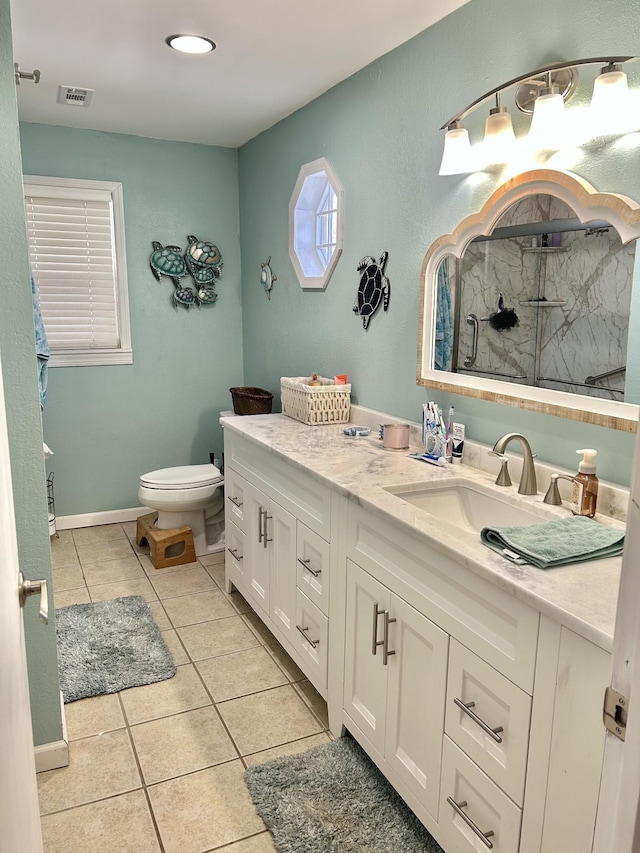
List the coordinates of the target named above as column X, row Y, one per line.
column 190, row 44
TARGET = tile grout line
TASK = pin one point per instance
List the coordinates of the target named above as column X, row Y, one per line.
column 141, row 772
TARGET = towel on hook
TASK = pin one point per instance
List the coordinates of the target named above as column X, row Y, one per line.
column 555, row 543
column 42, row 347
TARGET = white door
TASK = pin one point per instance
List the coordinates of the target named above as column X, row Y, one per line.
column 618, row 820
column 19, row 812
column 365, row 678
column 415, row 705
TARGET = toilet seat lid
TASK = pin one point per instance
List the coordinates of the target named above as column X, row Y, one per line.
column 182, row 477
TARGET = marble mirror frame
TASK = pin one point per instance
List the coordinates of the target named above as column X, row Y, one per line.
column 588, row 204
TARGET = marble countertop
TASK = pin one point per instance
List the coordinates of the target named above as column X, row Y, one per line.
column 581, row 596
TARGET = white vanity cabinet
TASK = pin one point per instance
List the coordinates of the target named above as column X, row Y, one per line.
column 481, row 707
column 487, row 717
column 278, row 524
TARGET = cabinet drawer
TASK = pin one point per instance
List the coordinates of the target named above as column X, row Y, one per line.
column 499, row 628
column 498, row 706
column 486, row 807
column 312, row 634
column 234, row 499
column 300, row 494
column 235, row 556
column 312, row 568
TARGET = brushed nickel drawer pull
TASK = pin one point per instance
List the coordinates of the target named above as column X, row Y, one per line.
column 234, row 554
column 235, row 501
column 386, row 654
column 303, row 631
column 466, row 707
column 375, row 642
column 483, row 836
column 305, row 564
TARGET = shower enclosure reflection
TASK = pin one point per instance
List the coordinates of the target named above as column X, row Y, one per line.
column 543, row 301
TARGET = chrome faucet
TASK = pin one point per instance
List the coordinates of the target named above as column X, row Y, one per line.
column 528, row 485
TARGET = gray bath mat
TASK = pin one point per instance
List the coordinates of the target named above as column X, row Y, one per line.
column 333, row 799
column 108, row 646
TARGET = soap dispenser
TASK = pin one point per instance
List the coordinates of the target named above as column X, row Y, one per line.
column 585, row 485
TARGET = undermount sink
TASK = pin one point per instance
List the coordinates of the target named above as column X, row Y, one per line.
column 467, row 505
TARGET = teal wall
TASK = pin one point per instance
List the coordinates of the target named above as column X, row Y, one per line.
column 380, row 131
column 107, row 425
column 17, row 353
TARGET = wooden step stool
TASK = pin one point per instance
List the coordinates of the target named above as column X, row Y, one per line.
column 159, row 541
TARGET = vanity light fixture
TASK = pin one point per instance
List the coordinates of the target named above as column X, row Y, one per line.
column 543, row 93
column 190, row 44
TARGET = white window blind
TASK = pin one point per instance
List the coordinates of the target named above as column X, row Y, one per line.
column 81, row 285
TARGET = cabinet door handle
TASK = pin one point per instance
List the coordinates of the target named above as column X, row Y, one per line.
column 235, row 501
column 265, row 538
column 260, row 530
column 305, row 564
column 466, row 707
column 386, row 654
column 483, row 836
column 234, row 554
column 375, row 642
column 303, row 631
column 262, row 526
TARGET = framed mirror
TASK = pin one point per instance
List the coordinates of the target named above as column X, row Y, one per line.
column 530, row 302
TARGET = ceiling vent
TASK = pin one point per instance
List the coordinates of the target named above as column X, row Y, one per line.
column 74, row 96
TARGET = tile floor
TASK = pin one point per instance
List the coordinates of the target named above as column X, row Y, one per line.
column 160, row 768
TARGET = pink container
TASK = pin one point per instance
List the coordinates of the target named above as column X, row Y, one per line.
column 395, row 436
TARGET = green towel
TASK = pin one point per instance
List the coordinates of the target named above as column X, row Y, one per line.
column 555, row 543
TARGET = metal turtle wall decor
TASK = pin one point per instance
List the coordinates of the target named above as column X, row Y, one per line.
column 201, row 260
column 267, row 276
column 374, row 288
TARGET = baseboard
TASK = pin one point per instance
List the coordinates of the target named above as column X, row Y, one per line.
column 91, row 519
column 51, row 756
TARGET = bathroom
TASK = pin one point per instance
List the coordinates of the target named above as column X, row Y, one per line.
column 380, row 131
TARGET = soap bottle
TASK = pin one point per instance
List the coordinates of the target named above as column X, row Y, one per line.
column 585, row 486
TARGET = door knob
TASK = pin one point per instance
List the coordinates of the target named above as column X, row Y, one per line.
column 27, row 588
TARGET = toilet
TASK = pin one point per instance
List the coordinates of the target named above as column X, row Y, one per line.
column 188, row 496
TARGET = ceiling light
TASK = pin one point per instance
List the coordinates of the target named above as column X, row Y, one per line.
column 456, row 157
column 190, row 44
column 499, row 138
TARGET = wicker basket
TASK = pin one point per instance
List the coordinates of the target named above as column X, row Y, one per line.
column 251, row 401
column 326, row 403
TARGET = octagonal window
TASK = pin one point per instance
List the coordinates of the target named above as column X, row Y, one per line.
column 315, row 224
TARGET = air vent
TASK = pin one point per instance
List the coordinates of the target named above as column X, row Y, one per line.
column 75, row 96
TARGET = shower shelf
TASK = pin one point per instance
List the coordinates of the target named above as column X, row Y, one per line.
column 545, row 249
column 543, row 303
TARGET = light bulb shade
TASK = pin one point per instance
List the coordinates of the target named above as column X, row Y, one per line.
column 456, row 157
column 499, row 139
column 549, row 123
column 611, row 109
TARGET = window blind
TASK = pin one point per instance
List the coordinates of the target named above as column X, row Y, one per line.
column 73, row 261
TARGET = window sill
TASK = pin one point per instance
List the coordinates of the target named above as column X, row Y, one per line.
column 90, row 358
